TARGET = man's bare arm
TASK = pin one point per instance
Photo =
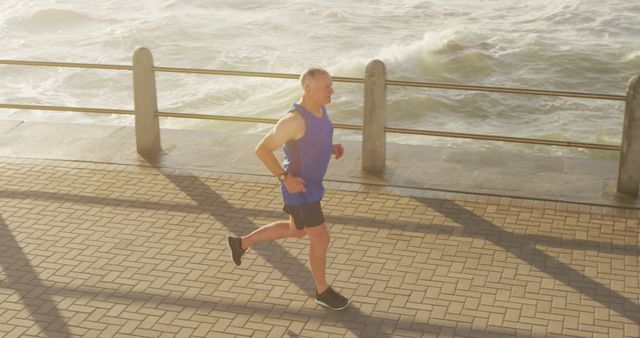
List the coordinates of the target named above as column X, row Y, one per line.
column 289, row 128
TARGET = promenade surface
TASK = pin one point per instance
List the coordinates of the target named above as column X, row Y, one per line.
column 90, row 249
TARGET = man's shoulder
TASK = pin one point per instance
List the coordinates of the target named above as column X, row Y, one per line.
column 292, row 124
column 293, row 118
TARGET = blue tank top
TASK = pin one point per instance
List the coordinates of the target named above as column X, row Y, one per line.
column 309, row 156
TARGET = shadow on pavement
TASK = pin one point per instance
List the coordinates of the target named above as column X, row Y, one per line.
column 22, row 277
column 207, row 205
column 526, row 250
column 524, row 247
column 281, row 259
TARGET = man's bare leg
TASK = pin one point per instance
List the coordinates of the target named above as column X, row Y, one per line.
column 319, row 238
column 326, row 295
column 273, row 231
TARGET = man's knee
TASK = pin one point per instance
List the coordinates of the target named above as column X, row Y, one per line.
column 319, row 236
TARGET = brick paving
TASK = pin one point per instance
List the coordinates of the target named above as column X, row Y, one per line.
column 100, row 250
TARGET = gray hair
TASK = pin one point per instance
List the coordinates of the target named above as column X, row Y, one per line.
column 310, row 74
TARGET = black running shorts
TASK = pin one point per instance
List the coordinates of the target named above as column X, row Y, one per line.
column 306, row 215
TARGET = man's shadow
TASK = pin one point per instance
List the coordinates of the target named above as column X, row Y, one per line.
column 236, row 220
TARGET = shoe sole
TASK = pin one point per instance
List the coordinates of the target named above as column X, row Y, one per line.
column 231, row 250
column 333, row 308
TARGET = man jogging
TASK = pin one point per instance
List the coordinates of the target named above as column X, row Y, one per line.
column 306, row 135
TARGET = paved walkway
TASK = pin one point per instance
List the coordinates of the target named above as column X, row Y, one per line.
column 470, row 169
column 90, row 249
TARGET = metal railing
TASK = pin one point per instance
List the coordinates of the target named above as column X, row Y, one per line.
column 408, row 131
column 146, row 63
column 345, row 126
column 401, row 83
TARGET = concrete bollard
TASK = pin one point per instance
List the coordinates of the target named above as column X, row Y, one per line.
column 374, row 140
column 629, row 167
column 146, row 104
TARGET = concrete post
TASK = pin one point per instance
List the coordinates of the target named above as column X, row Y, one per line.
column 629, row 168
column 374, row 140
column 146, row 104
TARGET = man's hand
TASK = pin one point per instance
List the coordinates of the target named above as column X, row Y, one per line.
column 338, row 151
column 294, row 184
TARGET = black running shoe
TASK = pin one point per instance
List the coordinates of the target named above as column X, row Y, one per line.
column 235, row 247
column 332, row 300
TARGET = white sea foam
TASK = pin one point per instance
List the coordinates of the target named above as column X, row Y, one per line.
column 577, row 45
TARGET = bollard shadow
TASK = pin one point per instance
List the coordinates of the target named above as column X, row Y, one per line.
column 527, row 251
column 23, row 278
column 524, row 247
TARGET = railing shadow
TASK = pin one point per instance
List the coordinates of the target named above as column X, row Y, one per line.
column 23, row 278
column 524, row 247
column 601, row 247
column 368, row 326
column 436, row 229
column 474, row 226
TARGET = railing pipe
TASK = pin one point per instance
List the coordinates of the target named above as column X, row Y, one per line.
column 67, row 108
column 520, row 140
column 65, row 64
column 418, row 84
column 395, row 130
column 505, row 90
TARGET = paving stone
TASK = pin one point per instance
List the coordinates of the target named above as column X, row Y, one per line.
column 91, row 249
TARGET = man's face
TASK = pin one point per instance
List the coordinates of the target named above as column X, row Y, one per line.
column 320, row 89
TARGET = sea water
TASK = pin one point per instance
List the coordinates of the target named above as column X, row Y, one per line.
column 571, row 45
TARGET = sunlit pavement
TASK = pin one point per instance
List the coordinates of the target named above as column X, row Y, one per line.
column 93, row 249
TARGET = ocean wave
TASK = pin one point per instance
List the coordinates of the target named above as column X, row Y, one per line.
column 632, row 58
column 416, row 52
column 52, row 20
column 402, row 58
column 449, row 55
